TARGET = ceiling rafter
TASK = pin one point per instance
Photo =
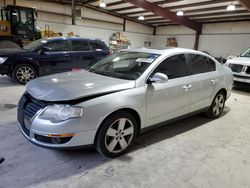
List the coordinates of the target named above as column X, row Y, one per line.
column 157, row 3
column 206, row 20
column 166, row 13
column 190, row 5
column 245, row 3
column 81, row 3
column 218, row 8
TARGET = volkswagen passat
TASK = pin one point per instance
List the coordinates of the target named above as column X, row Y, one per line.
column 113, row 101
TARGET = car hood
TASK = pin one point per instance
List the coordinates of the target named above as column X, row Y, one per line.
column 9, row 52
column 240, row 61
column 75, row 85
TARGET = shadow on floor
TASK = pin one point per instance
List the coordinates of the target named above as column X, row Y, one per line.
column 173, row 129
column 242, row 88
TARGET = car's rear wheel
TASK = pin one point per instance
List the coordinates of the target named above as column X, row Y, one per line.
column 217, row 105
column 23, row 73
column 117, row 134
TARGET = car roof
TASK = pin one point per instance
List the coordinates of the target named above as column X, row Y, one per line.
column 72, row 38
column 164, row 50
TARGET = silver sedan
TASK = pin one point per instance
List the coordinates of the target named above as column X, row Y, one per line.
column 110, row 103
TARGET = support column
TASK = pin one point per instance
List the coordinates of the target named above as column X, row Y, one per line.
column 124, row 24
column 73, row 9
column 197, row 38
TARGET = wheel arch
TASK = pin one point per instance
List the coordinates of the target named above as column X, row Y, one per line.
column 133, row 112
column 26, row 61
column 223, row 90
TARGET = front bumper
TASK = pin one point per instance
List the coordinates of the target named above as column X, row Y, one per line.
column 4, row 69
column 67, row 134
column 241, row 78
column 42, row 139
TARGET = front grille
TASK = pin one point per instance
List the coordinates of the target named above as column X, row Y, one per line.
column 32, row 105
column 52, row 140
column 240, row 76
column 28, row 106
column 236, row 68
column 248, row 70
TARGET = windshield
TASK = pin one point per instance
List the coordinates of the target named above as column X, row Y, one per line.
column 124, row 65
column 246, row 53
column 35, row 45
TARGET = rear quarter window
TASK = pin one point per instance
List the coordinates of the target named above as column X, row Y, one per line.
column 201, row 64
column 97, row 46
column 80, row 45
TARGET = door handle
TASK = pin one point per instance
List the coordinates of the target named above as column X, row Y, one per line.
column 187, row 87
column 214, row 80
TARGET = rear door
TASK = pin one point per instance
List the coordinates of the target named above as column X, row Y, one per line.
column 100, row 50
column 56, row 59
column 171, row 99
column 81, row 53
column 204, row 80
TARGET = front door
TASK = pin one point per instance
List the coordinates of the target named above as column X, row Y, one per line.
column 81, row 54
column 171, row 99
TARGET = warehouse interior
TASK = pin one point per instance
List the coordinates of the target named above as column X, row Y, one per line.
column 193, row 152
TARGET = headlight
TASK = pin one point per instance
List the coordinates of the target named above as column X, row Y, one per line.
column 227, row 64
column 3, row 59
column 58, row 113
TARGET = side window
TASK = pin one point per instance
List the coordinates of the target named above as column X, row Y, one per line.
column 96, row 46
column 173, row 67
column 212, row 65
column 80, row 45
column 57, row 46
column 201, row 64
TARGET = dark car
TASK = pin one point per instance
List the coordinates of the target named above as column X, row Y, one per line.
column 50, row 56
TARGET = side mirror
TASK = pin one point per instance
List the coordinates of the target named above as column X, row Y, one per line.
column 45, row 49
column 158, row 78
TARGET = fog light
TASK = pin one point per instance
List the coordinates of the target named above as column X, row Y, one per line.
column 55, row 140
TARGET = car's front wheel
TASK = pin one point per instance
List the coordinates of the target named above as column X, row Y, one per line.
column 217, row 105
column 117, row 134
column 23, row 73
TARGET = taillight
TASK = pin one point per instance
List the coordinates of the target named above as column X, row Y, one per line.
column 76, row 69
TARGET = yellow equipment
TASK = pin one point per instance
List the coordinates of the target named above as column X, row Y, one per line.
column 5, row 28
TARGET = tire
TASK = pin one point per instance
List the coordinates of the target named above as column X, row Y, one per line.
column 116, row 134
column 217, row 106
column 23, row 73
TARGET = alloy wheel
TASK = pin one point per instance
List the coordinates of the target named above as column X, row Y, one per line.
column 119, row 135
column 218, row 104
column 25, row 74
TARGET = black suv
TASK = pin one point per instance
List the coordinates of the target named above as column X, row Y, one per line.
column 50, row 56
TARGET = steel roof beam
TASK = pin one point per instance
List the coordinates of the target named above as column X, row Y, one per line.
column 190, row 5
column 167, row 14
column 245, row 3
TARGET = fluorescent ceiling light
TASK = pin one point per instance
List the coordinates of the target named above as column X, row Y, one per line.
column 141, row 18
column 180, row 13
column 102, row 4
column 231, row 7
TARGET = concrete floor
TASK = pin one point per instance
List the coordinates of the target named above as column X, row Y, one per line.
column 194, row 152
